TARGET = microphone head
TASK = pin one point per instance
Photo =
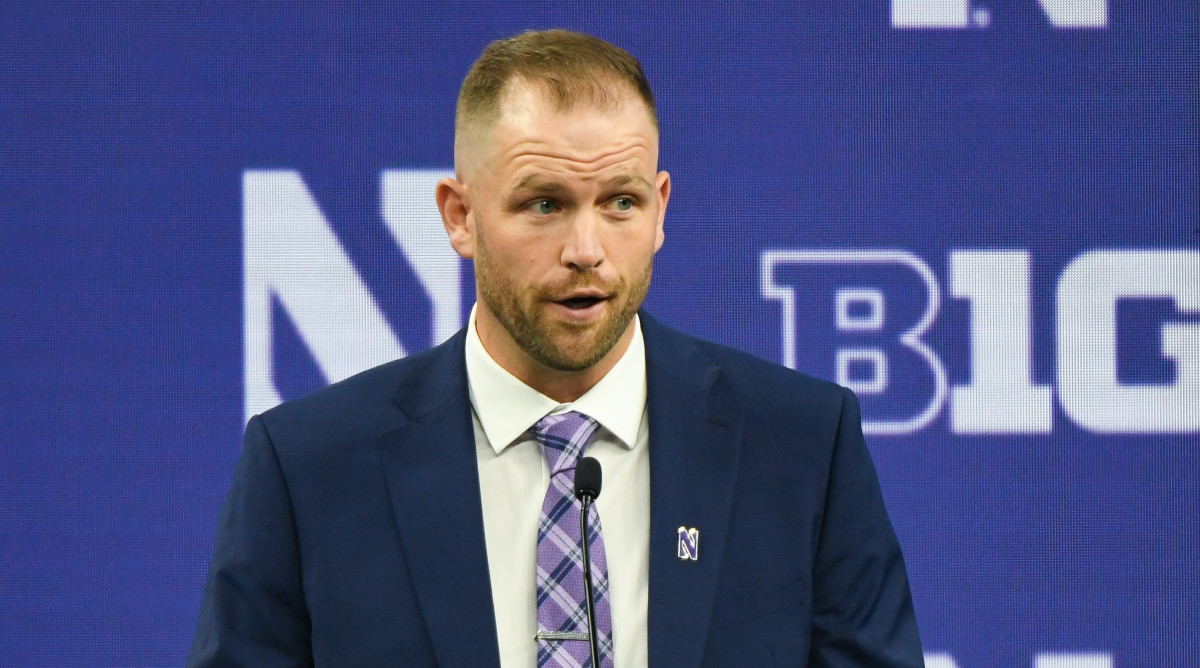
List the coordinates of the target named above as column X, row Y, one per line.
column 588, row 478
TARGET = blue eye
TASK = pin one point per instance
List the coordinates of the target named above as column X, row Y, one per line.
column 544, row 207
column 623, row 203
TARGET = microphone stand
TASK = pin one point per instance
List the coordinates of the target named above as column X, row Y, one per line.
column 586, row 500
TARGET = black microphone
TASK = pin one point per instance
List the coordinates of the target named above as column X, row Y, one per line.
column 587, row 489
column 588, row 478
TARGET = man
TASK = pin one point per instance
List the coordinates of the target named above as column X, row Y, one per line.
column 420, row 513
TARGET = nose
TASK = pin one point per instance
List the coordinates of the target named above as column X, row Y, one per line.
column 583, row 250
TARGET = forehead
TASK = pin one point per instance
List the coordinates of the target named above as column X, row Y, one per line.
column 535, row 130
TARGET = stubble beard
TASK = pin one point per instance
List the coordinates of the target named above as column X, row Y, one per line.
column 562, row 345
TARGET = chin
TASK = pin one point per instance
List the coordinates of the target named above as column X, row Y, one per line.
column 575, row 360
column 573, row 352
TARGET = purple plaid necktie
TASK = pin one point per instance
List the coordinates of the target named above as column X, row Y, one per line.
column 562, row 608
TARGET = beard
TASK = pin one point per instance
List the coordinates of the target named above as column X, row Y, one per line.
column 559, row 344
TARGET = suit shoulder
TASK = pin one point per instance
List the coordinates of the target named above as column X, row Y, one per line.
column 360, row 406
column 770, row 386
column 779, row 402
column 761, row 386
column 353, row 390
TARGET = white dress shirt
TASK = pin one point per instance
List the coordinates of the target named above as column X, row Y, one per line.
column 513, row 478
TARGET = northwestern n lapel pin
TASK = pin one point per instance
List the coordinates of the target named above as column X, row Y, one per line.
column 689, row 544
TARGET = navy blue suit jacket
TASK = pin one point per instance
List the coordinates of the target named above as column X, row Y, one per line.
column 353, row 534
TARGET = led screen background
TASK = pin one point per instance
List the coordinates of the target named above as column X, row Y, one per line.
column 207, row 208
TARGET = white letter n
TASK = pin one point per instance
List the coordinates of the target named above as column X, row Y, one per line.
column 290, row 253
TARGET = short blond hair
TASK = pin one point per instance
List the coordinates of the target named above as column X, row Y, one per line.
column 570, row 67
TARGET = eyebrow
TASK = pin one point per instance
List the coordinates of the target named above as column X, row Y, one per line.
column 626, row 179
column 537, row 184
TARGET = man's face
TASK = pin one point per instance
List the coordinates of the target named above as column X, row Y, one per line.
column 565, row 214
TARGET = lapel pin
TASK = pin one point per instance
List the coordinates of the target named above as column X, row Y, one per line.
column 689, row 544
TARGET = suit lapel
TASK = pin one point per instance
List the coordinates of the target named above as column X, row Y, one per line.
column 433, row 480
column 695, row 442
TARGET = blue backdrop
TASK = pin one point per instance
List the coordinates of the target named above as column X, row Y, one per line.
column 983, row 216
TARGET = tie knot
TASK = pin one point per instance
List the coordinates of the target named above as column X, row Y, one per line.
column 563, row 438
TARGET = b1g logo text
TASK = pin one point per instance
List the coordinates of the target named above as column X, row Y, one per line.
column 1123, row 337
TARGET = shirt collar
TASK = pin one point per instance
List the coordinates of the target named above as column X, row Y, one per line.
column 507, row 408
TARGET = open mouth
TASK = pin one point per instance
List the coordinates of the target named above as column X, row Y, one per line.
column 577, row 303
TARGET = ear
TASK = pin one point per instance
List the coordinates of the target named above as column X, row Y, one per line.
column 663, row 192
column 455, row 207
